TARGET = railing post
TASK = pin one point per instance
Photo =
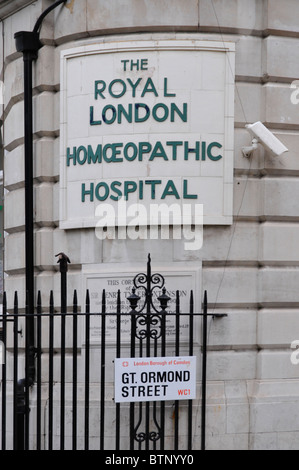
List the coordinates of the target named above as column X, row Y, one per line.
column 4, row 343
column 63, row 261
column 204, row 371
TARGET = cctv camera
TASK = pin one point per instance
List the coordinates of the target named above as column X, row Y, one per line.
column 266, row 138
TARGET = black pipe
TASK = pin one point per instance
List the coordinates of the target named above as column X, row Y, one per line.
column 29, row 44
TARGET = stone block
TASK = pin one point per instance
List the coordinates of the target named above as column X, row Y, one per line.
column 81, row 246
column 14, row 168
column 281, row 58
column 264, row 441
column 230, row 14
column 14, row 135
column 22, row 20
column 236, row 365
column 44, row 284
column 43, row 124
column 43, row 75
column 282, row 16
column 14, row 214
column 277, row 328
column 279, row 109
column 56, row 113
column 56, row 202
column 216, row 417
column 278, row 286
column 14, row 284
column 248, row 198
column 227, row 442
column 44, row 204
column 70, row 21
column 288, row 441
column 44, row 157
column 231, row 286
column 56, row 158
column 236, row 391
column 276, row 364
column 44, row 257
column 280, row 196
column 14, row 254
column 140, row 14
column 249, row 57
column 283, row 417
column 236, row 330
column 279, row 243
column 249, row 103
column 14, row 82
column 237, row 416
column 238, row 242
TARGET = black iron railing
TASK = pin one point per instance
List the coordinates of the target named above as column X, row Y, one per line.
column 71, row 403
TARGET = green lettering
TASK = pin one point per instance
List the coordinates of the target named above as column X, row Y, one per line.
column 107, row 108
column 92, row 122
column 143, row 147
column 130, row 145
column 170, row 190
column 158, row 151
column 116, row 190
column 125, row 64
column 174, row 145
column 121, row 110
column 182, row 114
column 165, row 89
column 106, row 191
column 122, row 92
column 99, row 87
column 71, row 156
column 94, row 157
column 134, row 85
column 138, row 106
column 144, row 64
column 114, row 153
column 209, row 151
column 203, row 151
column 129, row 187
column 191, row 150
column 149, row 88
column 85, row 192
column 153, row 184
column 84, row 151
column 165, row 112
column 141, row 190
column 185, row 191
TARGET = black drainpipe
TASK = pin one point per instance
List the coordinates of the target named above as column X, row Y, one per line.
column 29, row 44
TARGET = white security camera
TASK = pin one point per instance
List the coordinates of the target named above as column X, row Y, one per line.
column 261, row 134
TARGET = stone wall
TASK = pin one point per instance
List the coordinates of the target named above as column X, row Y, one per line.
column 250, row 269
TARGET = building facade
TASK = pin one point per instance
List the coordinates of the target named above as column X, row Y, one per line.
column 148, row 100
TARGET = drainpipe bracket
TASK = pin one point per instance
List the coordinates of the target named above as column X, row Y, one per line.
column 27, row 42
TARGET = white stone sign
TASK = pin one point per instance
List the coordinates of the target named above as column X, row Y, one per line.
column 155, row 379
column 149, row 122
column 112, row 279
